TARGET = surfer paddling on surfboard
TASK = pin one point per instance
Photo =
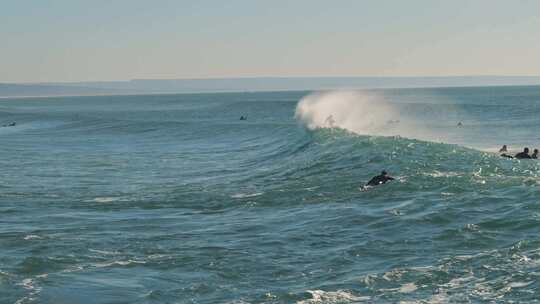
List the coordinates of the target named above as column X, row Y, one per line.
column 380, row 179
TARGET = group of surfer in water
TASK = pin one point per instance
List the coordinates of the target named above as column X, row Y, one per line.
column 521, row 155
column 384, row 177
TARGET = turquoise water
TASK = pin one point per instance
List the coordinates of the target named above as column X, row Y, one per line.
column 173, row 199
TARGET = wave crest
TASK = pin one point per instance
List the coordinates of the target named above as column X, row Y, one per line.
column 358, row 112
column 369, row 113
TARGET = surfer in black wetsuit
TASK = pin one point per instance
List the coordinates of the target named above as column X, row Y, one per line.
column 524, row 154
column 380, row 179
column 503, row 151
column 535, row 154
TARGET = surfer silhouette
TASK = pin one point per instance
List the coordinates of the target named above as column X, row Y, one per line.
column 380, row 179
column 524, row 154
column 503, row 151
column 330, row 121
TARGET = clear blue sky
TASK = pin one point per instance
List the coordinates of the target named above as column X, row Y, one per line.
column 72, row 40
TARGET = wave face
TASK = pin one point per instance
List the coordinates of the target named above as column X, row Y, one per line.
column 158, row 199
column 430, row 116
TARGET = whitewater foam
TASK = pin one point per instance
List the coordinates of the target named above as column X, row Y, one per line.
column 369, row 113
column 357, row 112
column 340, row 296
column 246, row 195
column 32, row 237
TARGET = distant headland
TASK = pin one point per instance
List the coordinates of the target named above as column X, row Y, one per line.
column 250, row 84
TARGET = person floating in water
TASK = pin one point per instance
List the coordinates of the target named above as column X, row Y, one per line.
column 460, row 124
column 11, row 124
column 503, row 151
column 535, row 154
column 243, row 117
column 380, row 179
column 330, row 121
column 523, row 155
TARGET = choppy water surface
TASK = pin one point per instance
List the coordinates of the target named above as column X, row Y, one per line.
column 173, row 199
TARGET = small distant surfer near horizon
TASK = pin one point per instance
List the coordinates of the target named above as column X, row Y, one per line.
column 11, row 124
column 460, row 124
column 243, row 117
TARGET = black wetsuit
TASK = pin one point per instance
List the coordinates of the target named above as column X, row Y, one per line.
column 522, row 155
column 379, row 180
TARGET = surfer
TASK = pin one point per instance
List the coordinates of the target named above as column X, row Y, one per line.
column 11, row 124
column 330, row 121
column 524, row 154
column 503, row 151
column 243, row 117
column 460, row 124
column 380, row 179
column 535, row 154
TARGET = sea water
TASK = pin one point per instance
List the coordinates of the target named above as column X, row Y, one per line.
column 173, row 199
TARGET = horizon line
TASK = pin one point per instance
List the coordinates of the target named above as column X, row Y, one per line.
column 270, row 77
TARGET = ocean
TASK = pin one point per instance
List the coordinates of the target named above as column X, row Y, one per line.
column 174, row 199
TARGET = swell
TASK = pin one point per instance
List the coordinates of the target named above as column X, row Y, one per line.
column 337, row 161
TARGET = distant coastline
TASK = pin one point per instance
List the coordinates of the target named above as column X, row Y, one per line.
column 256, row 84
